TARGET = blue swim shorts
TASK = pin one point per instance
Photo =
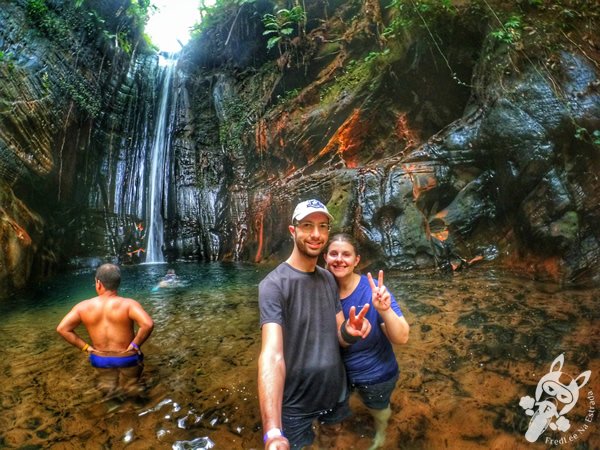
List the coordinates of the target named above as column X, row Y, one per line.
column 115, row 362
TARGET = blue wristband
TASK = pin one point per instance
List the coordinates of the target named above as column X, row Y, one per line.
column 273, row 432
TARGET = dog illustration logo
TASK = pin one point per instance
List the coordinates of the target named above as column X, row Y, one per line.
column 556, row 394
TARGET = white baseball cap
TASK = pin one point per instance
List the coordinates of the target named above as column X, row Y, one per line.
column 307, row 207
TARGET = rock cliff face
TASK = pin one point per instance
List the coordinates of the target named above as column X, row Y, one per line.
column 70, row 98
column 435, row 145
column 435, row 151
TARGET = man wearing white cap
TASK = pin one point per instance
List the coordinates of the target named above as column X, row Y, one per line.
column 301, row 375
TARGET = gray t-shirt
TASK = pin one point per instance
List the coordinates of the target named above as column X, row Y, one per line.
column 305, row 305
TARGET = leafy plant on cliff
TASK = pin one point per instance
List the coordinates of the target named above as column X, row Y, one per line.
column 81, row 93
column 407, row 14
column 220, row 12
column 281, row 25
column 121, row 25
column 510, row 32
column 583, row 134
column 47, row 20
column 8, row 58
column 360, row 75
column 229, row 32
column 125, row 28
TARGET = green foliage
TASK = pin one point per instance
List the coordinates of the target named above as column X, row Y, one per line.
column 53, row 26
column 281, row 25
column 218, row 14
column 358, row 76
column 510, row 31
column 37, row 10
column 128, row 29
column 374, row 55
column 124, row 42
column 232, row 129
column 583, row 134
column 79, row 91
column 8, row 58
column 408, row 14
column 288, row 95
column 60, row 23
column 149, row 43
column 46, row 82
column 139, row 12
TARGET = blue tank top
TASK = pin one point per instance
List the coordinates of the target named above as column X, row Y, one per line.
column 371, row 360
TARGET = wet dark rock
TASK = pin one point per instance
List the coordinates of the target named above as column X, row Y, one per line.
column 498, row 333
column 429, row 169
column 424, row 308
column 42, row 434
column 508, row 420
column 474, row 319
column 33, row 423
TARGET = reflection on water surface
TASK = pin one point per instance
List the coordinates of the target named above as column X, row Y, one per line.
column 480, row 340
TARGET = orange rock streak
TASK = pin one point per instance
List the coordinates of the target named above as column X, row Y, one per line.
column 404, row 132
column 259, row 227
column 348, row 139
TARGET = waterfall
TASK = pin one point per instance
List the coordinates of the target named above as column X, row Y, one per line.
column 159, row 165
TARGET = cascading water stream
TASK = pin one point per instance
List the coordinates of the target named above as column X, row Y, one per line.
column 157, row 178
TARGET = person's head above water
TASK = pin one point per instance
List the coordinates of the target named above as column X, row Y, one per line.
column 109, row 275
column 170, row 276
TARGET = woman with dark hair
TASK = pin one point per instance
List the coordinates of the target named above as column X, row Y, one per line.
column 370, row 363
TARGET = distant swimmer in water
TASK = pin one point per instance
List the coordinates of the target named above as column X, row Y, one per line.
column 169, row 280
column 109, row 319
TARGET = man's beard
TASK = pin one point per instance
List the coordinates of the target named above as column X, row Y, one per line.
column 307, row 251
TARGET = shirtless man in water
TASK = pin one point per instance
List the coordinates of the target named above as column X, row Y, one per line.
column 109, row 320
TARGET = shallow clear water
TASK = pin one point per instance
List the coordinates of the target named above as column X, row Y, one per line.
column 480, row 340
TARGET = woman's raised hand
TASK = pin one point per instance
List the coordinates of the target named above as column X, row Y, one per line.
column 381, row 297
column 357, row 324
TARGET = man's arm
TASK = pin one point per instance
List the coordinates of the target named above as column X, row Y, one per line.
column 66, row 328
column 271, row 380
column 144, row 322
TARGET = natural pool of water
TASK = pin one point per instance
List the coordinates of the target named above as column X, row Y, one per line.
column 480, row 340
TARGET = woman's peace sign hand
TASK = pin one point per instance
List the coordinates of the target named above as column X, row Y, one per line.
column 357, row 324
column 381, row 297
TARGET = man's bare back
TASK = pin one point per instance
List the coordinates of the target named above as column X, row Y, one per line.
column 110, row 321
column 108, row 318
